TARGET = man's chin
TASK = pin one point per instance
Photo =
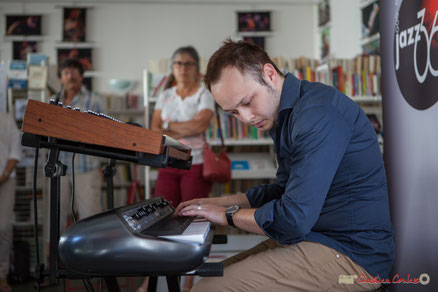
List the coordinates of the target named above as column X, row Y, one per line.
column 266, row 127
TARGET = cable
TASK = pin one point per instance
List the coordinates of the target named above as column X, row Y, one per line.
column 35, row 214
column 73, row 187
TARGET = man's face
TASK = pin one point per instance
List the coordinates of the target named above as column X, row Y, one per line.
column 71, row 78
column 245, row 98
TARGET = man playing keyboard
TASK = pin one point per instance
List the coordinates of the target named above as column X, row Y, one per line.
column 327, row 213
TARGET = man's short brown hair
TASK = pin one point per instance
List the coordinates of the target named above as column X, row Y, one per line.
column 70, row 63
column 243, row 55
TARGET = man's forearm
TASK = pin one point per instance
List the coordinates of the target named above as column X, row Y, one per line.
column 245, row 220
column 10, row 165
column 238, row 199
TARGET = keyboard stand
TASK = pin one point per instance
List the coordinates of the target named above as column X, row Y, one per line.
column 173, row 281
column 215, row 269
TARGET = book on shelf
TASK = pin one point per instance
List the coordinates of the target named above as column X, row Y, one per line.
column 128, row 102
column 17, row 69
column 37, row 59
column 251, row 161
column 359, row 76
column 355, row 77
column 37, row 78
column 17, row 83
column 157, row 83
column 233, row 129
column 17, row 74
column 239, row 165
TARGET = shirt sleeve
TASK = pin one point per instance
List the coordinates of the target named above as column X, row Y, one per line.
column 97, row 104
column 264, row 193
column 160, row 100
column 319, row 137
column 206, row 101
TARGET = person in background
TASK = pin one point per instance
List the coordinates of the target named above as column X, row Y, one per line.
column 87, row 168
column 10, row 154
column 184, row 112
column 327, row 213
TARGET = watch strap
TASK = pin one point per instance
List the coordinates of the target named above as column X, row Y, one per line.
column 229, row 214
column 229, row 217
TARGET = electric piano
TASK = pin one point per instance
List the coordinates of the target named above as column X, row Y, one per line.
column 49, row 125
column 130, row 240
column 141, row 238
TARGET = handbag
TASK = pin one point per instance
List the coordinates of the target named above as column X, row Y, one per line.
column 217, row 166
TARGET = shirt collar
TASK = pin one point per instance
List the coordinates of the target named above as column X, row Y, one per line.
column 289, row 96
column 290, row 92
column 82, row 92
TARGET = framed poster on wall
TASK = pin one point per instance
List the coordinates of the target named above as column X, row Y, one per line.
column 74, row 24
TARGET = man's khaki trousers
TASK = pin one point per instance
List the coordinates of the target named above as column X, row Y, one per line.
column 305, row 266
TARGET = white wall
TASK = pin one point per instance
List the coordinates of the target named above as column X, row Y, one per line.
column 346, row 22
column 124, row 37
column 345, row 29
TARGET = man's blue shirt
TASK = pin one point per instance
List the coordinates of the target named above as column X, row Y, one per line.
column 331, row 182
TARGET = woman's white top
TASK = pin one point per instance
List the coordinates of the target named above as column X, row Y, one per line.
column 175, row 109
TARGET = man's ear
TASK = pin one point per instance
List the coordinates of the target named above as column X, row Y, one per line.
column 270, row 74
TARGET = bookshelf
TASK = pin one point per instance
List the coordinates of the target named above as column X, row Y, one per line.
column 243, row 143
column 128, row 182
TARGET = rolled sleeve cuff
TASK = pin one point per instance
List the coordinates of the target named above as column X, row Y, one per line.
column 264, row 216
column 255, row 196
column 275, row 225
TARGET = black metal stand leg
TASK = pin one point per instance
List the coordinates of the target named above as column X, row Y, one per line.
column 109, row 172
column 54, row 169
column 173, row 283
column 54, row 228
column 152, row 285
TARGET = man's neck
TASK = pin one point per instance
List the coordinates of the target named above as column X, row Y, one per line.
column 69, row 95
column 280, row 83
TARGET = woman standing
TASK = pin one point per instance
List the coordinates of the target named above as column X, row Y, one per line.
column 184, row 112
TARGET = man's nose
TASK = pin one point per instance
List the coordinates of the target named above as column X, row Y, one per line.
column 246, row 115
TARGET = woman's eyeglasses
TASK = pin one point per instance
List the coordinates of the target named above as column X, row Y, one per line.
column 185, row 64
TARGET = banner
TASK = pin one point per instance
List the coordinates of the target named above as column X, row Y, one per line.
column 409, row 48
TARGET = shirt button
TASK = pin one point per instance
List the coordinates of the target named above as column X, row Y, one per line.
column 337, row 256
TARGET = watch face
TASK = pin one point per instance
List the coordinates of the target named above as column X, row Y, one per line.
column 233, row 209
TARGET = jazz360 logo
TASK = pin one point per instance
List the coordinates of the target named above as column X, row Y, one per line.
column 416, row 52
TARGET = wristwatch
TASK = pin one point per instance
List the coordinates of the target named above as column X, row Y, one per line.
column 229, row 214
column 166, row 125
